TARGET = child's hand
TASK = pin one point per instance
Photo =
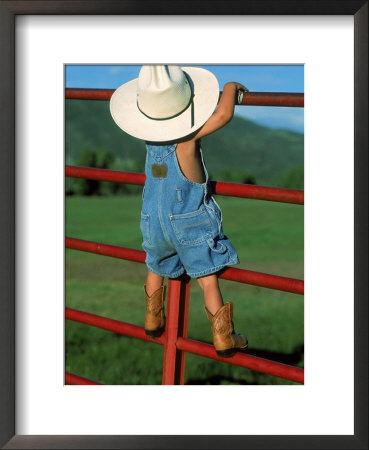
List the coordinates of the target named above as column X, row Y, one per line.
column 238, row 86
column 241, row 87
column 240, row 90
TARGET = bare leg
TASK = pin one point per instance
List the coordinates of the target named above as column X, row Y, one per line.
column 153, row 282
column 212, row 296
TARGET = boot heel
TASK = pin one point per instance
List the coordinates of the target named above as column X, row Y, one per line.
column 226, row 353
column 155, row 333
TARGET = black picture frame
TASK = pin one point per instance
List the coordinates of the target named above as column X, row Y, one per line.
column 8, row 11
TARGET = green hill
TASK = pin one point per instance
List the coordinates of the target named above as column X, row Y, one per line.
column 240, row 149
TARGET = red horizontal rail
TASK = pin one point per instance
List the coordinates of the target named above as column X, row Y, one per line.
column 240, row 275
column 264, row 280
column 273, row 99
column 105, row 175
column 243, row 360
column 218, row 187
column 75, row 379
column 249, row 98
column 123, row 328
column 114, row 251
column 88, row 94
column 258, row 192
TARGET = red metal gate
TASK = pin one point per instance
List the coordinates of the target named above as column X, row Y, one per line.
column 175, row 340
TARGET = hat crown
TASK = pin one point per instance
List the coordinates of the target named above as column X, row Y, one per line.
column 162, row 91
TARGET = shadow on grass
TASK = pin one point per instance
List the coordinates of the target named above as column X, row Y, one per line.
column 216, row 380
column 285, row 358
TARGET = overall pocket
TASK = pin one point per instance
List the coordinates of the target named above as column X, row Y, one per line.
column 145, row 228
column 192, row 228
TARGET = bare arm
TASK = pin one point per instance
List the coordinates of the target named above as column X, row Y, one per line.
column 224, row 112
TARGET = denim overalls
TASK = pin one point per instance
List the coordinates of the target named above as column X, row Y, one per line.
column 181, row 223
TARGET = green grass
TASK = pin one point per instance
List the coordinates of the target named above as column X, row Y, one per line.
column 268, row 237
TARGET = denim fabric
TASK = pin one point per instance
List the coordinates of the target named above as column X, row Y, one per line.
column 181, row 223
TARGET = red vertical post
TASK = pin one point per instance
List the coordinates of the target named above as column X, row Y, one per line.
column 176, row 326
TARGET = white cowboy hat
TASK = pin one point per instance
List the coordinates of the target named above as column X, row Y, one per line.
column 165, row 102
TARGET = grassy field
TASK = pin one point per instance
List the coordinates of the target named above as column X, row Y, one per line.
column 268, row 237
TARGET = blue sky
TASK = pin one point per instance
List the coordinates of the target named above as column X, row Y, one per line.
column 257, row 78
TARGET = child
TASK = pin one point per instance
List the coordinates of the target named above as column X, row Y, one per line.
column 172, row 108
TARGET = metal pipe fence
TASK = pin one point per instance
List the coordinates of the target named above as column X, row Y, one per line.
column 174, row 339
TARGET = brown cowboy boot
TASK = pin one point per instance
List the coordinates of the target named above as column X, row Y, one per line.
column 226, row 341
column 155, row 318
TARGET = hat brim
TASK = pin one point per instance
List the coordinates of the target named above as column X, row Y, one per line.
column 124, row 110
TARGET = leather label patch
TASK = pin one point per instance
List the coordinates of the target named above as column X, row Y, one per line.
column 159, row 170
